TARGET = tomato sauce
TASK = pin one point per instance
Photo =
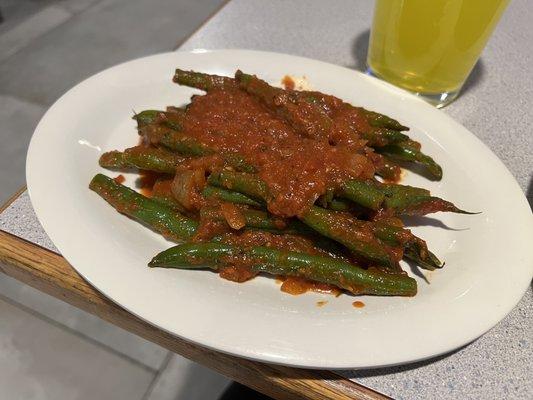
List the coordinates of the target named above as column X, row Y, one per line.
column 146, row 182
column 120, row 179
column 295, row 286
column 162, row 188
column 288, row 82
column 297, row 169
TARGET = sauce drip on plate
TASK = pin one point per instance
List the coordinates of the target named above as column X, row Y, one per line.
column 358, row 304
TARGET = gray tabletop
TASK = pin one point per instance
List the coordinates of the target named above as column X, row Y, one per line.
column 493, row 106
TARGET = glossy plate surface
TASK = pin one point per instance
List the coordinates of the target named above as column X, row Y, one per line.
column 489, row 257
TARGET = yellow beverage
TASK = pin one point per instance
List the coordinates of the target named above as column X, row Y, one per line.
column 430, row 46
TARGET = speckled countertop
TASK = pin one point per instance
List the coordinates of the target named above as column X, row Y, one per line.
column 493, row 106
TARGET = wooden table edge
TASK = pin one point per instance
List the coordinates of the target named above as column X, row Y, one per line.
column 50, row 273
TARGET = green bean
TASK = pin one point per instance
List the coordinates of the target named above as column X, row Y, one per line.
column 168, row 201
column 205, row 82
column 160, row 218
column 421, row 205
column 253, row 219
column 146, row 117
column 146, row 158
column 242, row 182
column 237, row 162
column 393, row 235
column 403, row 200
column 431, row 262
column 182, row 144
column 345, row 231
column 365, row 193
column 230, row 196
column 414, row 247
column 185, row 145
column 171, row 119
column 405, row 152
column 262, row 220
column 339, row 205
column 410, row 200
column 383, row 136
column 382, row 121
column 289, row 263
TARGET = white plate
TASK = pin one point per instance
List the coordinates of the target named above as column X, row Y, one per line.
column 489, row 257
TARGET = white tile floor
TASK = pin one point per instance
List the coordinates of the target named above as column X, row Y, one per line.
column 49, row 349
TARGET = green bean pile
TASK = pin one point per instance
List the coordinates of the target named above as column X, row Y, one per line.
column 208, row 200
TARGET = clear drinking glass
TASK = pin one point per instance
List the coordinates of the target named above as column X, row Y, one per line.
column 429, row 47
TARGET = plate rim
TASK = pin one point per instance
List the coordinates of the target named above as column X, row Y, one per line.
column 250, row 354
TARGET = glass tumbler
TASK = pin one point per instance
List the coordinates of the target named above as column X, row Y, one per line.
column 429, row 47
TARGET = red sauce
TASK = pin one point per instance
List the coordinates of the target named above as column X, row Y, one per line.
column 236, row 273
column 288, row 82
column 358, row 304
column 295, row 286
column 162, row 188
column 119, row 179
column 146, row 182
column 234, row 122
column 209, row 228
